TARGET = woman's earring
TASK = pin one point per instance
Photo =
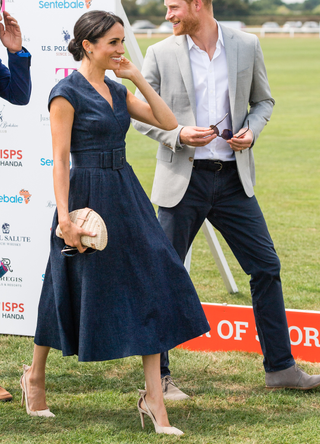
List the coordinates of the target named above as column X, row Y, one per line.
column 89, row 52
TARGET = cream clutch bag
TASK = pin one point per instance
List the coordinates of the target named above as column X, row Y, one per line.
column 91, row 221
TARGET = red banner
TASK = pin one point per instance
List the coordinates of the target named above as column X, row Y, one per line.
column 233, row 328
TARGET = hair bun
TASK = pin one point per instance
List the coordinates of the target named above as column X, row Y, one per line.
column 75, row 50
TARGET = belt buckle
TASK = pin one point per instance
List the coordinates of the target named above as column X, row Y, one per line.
column 219, row 163
column 118, row 159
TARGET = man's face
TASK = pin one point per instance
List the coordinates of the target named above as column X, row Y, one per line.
column 181, row 15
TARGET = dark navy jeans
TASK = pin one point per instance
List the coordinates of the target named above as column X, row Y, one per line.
column 219, row 197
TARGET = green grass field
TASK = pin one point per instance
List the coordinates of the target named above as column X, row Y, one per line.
column 96, row 402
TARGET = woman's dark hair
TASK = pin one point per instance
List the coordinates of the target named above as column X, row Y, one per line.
column 91, row 26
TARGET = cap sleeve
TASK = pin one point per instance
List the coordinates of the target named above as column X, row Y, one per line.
column 63, row 89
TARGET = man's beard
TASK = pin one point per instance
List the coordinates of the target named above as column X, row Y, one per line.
column 189, row 25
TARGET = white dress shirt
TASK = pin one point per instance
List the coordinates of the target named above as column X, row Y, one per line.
column 210, row 79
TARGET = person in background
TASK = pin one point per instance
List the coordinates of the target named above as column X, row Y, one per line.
column 15, row 82
column 214, row 80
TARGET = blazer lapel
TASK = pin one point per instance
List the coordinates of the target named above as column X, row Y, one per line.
column 183, row 59
column 231, row 47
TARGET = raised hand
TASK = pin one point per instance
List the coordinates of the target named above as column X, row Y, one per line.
column 127, row 69
column 10, row 33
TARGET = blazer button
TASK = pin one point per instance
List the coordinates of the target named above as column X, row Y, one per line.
column 190, row 159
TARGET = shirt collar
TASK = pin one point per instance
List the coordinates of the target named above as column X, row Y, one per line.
column 220, row 41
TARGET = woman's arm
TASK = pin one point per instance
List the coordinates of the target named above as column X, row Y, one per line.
column 155, row 112
column 61, row 120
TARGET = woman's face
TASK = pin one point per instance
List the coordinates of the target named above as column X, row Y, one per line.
column 107, row 52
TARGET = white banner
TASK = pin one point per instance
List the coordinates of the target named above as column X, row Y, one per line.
column 27, row 200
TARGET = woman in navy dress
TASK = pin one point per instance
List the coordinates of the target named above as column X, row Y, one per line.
column 125, row 300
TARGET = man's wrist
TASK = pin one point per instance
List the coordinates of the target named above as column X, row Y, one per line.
column 14, row 50
column 23, row 52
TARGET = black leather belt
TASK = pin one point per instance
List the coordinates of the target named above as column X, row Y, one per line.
column 114, row 159
column 214, row 165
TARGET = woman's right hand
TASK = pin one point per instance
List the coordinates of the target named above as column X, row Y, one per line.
column 72, row 234
column 127, row 70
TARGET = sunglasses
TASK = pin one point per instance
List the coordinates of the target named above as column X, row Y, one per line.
column 68, row 251
column 226, row 133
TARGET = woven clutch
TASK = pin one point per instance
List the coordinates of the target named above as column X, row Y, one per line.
column 89, row 220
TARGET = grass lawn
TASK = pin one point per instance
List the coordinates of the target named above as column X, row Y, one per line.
column 96, row 402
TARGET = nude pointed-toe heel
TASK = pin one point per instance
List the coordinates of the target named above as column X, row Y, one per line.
column 157, row 427
column 45, row 412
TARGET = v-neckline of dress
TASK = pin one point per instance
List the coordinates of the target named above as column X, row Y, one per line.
column 103, row 98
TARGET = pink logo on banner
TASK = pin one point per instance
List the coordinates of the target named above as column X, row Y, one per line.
column 233, row 328
column 66, row 71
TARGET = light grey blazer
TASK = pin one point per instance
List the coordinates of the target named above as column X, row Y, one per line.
column 167, row 68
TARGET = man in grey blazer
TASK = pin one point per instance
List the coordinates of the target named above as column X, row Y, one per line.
column 214, row 80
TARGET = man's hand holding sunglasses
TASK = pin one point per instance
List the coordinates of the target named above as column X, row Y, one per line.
column 242, row 140
column 196, row 136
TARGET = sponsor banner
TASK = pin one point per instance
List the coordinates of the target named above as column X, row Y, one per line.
column 12, row 158
column 11, row 236
column 233, row 329
column 27, row 202
column 23, row 196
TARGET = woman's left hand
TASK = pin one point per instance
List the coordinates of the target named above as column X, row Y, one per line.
column 126, row 70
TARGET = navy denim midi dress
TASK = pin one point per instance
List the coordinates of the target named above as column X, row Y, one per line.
column 135, row 297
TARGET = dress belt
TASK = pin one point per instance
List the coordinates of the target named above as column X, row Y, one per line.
column 214, row 165
column 114, row 159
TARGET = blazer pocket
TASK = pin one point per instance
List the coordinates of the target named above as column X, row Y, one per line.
column 164, row 154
